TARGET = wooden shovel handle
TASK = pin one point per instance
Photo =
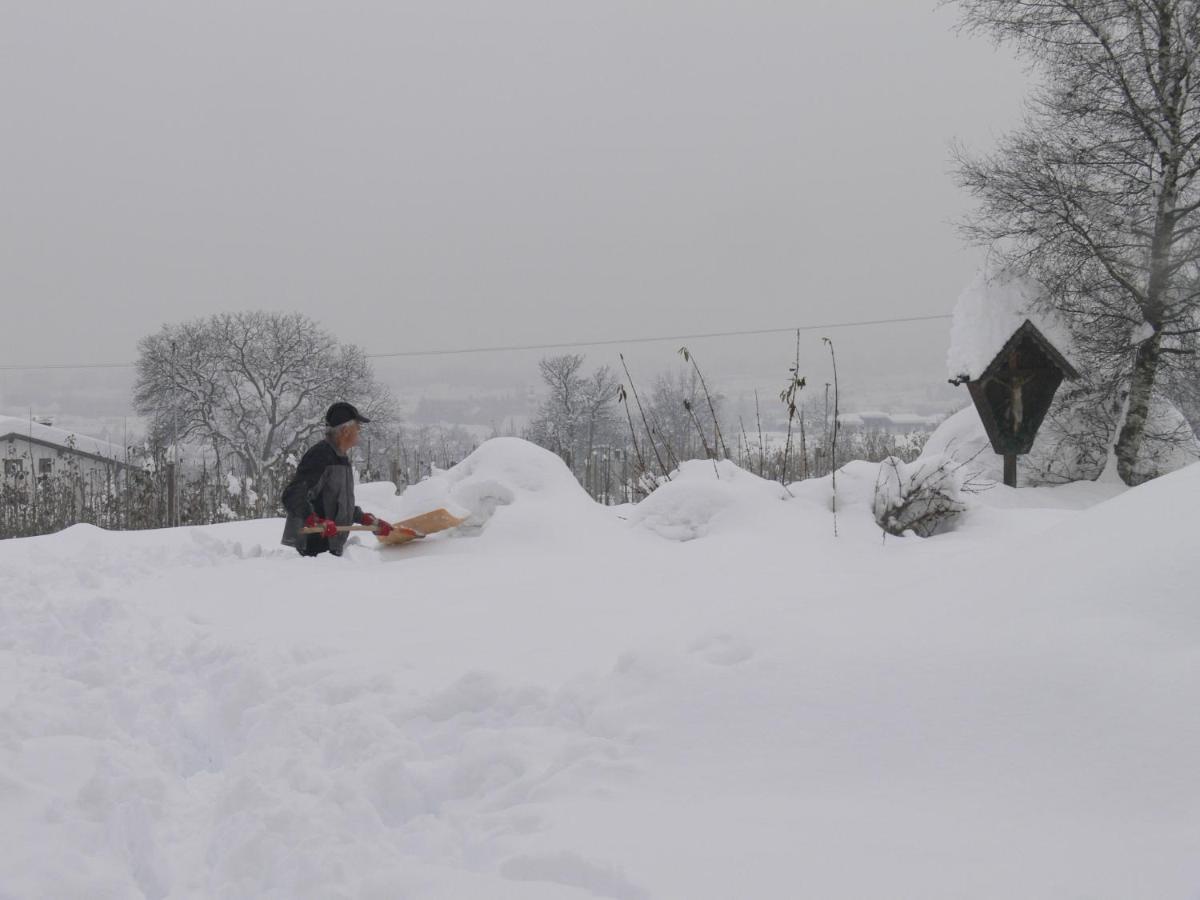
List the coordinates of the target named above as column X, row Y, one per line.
column 371, row 528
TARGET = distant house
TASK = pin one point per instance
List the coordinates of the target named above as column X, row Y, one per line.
column 892, row 423
column 36, row 448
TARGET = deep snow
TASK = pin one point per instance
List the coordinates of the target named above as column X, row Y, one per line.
column 704, row 696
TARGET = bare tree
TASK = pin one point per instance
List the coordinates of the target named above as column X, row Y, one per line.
column 252, row 386
column 670, row 408
column 1096, row 194
column 557, row 423
column 579, row 414
column 600, row 425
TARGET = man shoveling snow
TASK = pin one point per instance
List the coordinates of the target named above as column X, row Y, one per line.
column 321, row 494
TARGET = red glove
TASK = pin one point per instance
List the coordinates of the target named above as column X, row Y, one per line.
column 327, row 526
column 384, row 528
column 368, row 519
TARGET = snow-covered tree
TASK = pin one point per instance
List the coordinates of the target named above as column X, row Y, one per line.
column 579, row 412
column 556, row 425
column 253, row 387
column 1096, row 194
column 673, row 393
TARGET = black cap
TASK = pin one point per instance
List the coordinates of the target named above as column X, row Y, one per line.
column 341, row 413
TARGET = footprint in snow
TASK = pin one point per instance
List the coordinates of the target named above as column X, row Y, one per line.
column 722, row 649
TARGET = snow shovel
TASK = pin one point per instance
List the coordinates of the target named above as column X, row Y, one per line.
column 408, row 530
column 420, row 526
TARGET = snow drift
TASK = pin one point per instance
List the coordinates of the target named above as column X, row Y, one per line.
column 702, row 495
column 532, row 490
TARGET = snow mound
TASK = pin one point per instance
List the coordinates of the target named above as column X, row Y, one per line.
column 1084, row 561
column 988, row 312
column 1064, row 450
column 498, row 473
column 699, row 496
column 534, row 487
column 962, row 438
column 376, row 496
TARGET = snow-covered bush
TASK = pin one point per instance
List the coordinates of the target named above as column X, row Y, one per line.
column 924, row 497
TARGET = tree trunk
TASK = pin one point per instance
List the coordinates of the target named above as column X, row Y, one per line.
column 1149, row 355
column 1141, row 391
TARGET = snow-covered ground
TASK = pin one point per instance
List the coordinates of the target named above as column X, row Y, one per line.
column 705, row 696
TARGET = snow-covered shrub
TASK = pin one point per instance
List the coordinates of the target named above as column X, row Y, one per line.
column 924, row 497
column 700, row 495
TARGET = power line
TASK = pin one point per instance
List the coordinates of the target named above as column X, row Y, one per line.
column 649, row 340
column 68, row 366
column 564, row 345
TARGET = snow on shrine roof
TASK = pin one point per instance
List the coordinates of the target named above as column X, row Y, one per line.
column 47, row 434
column 988, row 313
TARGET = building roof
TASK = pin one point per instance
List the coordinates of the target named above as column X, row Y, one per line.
column 14, row 427
column 989, row 312
column 913, row 419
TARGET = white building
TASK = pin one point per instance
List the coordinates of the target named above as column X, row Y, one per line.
column 891, row 423
column 35, row 448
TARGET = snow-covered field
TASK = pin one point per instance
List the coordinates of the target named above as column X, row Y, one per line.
column 705, row 696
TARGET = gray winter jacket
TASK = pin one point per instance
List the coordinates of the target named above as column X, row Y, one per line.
column 323, row 486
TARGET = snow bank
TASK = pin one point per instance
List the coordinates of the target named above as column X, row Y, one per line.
column 1055, row 458
column 1135, row 553
column 532, row 486
column 567, row 707
column 700, row 497
column 1066, row 449
column 962, row 437
column 987, row 314
column 740, row 507
column 382, row 499
column 501, row 471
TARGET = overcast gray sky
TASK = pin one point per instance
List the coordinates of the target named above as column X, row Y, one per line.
column 461, row 173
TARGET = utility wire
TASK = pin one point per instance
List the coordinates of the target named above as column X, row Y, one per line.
column 516, row 348
column 648, row 340
column 68, row 366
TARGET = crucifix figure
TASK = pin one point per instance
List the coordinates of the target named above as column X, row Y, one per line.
column 1015, row 380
